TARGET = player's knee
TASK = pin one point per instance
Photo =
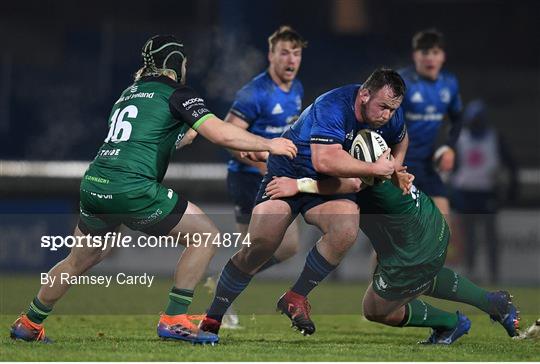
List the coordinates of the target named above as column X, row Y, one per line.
column 84, row 261
column 345, row 231
column 258, row 253
column 375, row 316
column 342, row 240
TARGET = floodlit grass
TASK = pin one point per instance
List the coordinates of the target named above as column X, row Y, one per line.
column 119, row 324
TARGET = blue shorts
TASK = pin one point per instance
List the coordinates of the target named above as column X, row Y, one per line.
column 243, row 188
column 427, row 179
column 302, row 202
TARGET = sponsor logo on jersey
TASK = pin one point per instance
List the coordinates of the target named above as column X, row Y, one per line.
column 102, row 196
column 146, row 95
column 275, row 129
column 322, row 140
column 430, row 109
column 445, row 95
column 415, row 194
column 169, row 193
column 350, row 135
column 412, row 116
column 133, row 89
column 381, row 284
column 417, row 97
column 192, row 101
column 277, row 109
column 96, row 179
column 108, row 153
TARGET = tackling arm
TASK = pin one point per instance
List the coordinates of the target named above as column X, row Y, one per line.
column 281, row 187
column 332, row 160
column 231, row 136
column 239, row 122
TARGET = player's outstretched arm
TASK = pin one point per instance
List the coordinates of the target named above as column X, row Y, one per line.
column 255, row 159
column 231, row 136
column 281, row 187
column 332, row 160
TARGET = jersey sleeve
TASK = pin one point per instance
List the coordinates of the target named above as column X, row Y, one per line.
column 456, row 105
column 455, row 114
column 246, row 104
column 398, row 128
column 187, row 106
column 328, row 124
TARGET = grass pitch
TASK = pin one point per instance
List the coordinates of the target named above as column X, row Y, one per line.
column 119, row 323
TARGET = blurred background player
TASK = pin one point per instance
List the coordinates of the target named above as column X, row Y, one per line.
column 432, row 94
column 123, row 185
column 482, row 157
column 267, row 106
column 323, row 133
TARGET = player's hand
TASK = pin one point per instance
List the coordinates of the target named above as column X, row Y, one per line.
column 187, row 139
column 281, row 187
column 403, row 180
column 446, row 161
column 383, row 168
column 283, row 146
column 255, row 156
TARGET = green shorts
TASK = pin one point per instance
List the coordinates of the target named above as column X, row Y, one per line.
column 395, row 283
column 154, row 210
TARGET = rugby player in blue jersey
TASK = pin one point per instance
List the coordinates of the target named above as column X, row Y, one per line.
column 267, row 106
column 323, row 135
column 432, row 94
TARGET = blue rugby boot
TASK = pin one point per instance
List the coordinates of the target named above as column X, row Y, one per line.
column 504, row 312
column 447, row 337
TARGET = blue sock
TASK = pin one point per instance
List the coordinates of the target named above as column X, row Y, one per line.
column 315, row 270
column 270, row 262
column 232, row 282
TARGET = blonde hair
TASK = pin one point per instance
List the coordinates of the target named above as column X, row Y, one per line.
column 155, row 72
column 286, row 33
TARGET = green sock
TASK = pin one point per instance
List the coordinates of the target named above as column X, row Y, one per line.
column 37, row 312
column 422, row 314
column 179, row 301
column 448, row 285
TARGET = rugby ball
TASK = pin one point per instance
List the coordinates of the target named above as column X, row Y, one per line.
column 368, row 146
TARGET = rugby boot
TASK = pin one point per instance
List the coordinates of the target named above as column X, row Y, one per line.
column 447, row 337
column 181, row 327
column 24, row 329
column 297, row 309
column 504, row 311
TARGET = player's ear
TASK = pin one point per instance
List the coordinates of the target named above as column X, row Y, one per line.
column 364, row 96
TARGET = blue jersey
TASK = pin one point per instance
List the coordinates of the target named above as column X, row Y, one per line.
column 425, row 105
column 267, row 109
column 329, row 120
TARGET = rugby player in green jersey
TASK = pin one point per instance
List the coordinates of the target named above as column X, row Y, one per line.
column 122, row 186
column 411, row 237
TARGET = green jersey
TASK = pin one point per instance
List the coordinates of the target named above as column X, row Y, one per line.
column 144, row 125
column 405, row 230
